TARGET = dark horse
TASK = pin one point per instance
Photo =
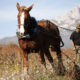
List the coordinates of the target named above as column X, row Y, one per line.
column 38, row 37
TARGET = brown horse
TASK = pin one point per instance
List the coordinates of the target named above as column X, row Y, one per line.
column 37, row 36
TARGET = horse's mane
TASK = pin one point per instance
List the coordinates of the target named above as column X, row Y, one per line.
column 31, row 22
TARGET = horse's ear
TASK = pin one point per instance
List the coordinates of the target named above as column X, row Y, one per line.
column 18, row 6
column 30, row 7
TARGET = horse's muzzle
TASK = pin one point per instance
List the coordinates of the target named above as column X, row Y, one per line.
column 21, row 35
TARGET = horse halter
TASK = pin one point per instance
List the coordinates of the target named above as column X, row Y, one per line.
column 22, row 36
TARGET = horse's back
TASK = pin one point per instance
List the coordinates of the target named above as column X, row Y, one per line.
column 52, row 30
column 49, row 26
column 45, row 23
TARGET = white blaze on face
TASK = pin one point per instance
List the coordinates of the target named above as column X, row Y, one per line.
column 22, row 23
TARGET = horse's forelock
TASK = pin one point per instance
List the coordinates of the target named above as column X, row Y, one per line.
column 23, row 8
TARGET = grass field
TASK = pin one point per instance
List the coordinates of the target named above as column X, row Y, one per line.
column 11, row 67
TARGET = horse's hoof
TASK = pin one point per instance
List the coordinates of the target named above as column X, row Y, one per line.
column 25, row 74
column 61, row 72
column 25, row 70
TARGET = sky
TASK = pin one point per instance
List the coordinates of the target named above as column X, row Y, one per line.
column 42, row 9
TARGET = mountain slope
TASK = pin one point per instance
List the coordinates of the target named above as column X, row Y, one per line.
column 7, row 40
column 69, row 19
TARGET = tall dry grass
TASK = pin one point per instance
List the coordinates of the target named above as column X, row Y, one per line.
column 9, row 53
column 10, row 59
column 11, row 65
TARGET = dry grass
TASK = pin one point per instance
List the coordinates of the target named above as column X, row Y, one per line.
column 9, row 53
column 11, row 65
column 9, row 59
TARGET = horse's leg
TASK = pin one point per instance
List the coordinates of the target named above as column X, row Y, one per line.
column 24, row 74
column 60, row 62
column 25, row 62
column 42, row 59
column 48, row 55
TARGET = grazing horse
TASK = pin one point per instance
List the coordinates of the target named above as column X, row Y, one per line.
column 37, row 36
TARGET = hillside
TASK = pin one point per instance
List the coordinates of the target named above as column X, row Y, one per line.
column 7, row 40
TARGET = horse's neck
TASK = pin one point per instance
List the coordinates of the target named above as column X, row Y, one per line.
column 32, row 22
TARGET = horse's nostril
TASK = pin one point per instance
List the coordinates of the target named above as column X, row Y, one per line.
column 22, row 34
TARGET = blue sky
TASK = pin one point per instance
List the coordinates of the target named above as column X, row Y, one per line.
column 43, row 9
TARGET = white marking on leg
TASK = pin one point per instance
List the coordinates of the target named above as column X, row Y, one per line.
column 22, row 23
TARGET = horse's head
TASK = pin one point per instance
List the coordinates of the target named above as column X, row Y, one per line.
column 23, row 14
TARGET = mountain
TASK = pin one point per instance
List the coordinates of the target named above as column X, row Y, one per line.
column 69, row 19
column 7, row 40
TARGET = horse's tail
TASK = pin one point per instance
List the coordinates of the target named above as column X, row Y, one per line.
column 61, row 42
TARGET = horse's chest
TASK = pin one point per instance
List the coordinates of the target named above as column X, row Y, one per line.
column 31, row 44
column 27, row 44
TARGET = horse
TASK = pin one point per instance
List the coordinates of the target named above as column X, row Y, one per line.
column 37, row 36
